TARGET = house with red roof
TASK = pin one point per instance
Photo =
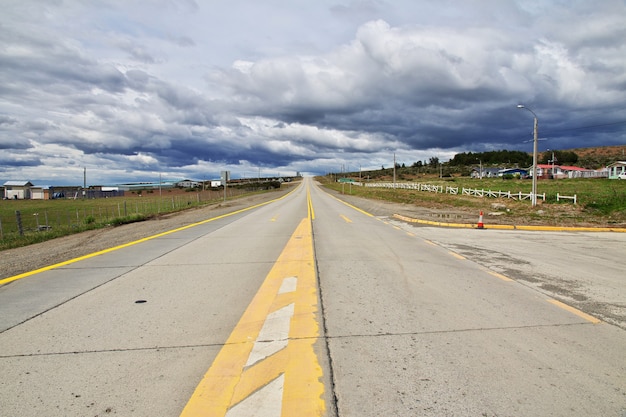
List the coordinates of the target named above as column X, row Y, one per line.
column 549, row 171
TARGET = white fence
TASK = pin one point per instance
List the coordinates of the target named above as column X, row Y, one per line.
column 475, row 192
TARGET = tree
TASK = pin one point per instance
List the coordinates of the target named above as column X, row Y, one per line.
column 560, row 158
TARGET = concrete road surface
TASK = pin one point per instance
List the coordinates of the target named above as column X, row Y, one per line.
column 310, row 307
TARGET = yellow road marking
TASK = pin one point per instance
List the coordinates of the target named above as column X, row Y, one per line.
column 575, row 311
column 311, row 212
column 497, row 275
column 228, row 382
column 456, row 255
column 351, row 206
column 347, row 220
column 125, row 245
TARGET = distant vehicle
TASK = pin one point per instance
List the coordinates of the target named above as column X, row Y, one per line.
column 622, row 176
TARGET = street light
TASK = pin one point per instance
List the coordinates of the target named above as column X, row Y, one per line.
column 533, row 197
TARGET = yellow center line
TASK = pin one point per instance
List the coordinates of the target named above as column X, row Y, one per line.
column 311, row 212
column 347, row 220
column 228, row 382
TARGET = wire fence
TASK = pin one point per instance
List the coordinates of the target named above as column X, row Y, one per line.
column 21, row 219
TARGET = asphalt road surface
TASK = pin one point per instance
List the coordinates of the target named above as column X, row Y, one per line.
column 307, row 306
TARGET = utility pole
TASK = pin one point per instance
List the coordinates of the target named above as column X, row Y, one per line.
column 533, row 197
column 394, row 170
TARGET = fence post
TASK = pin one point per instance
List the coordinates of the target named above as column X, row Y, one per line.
column 18, row 218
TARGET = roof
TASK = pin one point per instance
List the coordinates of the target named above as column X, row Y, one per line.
column 570, row 168
column 18, row 184
column 617, row 163
column 562, row 167
column 504, row 171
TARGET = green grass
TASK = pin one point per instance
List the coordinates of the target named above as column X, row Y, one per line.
column 48, row 219
column 599, row 200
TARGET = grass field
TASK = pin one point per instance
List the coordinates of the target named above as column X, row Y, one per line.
column 599, row 200
column 41, row 220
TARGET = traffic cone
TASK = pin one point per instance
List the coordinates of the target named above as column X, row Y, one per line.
column 480, row 221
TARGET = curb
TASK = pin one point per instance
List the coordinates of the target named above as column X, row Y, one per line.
column 512, row 226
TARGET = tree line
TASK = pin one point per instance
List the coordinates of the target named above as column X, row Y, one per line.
column 461, row 163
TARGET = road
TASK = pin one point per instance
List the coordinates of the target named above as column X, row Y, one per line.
column 308, row 306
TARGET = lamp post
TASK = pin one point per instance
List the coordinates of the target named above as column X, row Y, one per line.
column 533, row 197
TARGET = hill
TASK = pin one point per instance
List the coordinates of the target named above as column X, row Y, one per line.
column 599, row 156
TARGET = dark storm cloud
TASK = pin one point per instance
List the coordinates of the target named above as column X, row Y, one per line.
column 131, row 89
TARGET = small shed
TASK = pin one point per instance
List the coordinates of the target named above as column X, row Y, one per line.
column 17, row 190
column 41, row 192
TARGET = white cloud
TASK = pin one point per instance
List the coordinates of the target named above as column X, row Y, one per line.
column 180, row 87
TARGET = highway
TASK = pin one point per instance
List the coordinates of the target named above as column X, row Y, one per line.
column 308, row 306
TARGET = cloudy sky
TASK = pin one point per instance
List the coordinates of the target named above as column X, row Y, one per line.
column 131, row 89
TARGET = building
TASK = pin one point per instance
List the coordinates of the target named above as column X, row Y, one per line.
column 578, row 172
column 515, row 172
column 41, row 192
column 616, row 169
column 189, row 184
column 17, row 190
column 486, row 173
column 548, row 171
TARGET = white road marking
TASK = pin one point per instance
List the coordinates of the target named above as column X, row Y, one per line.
column 289, row 285
column 266, row 402
column 273, row 335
